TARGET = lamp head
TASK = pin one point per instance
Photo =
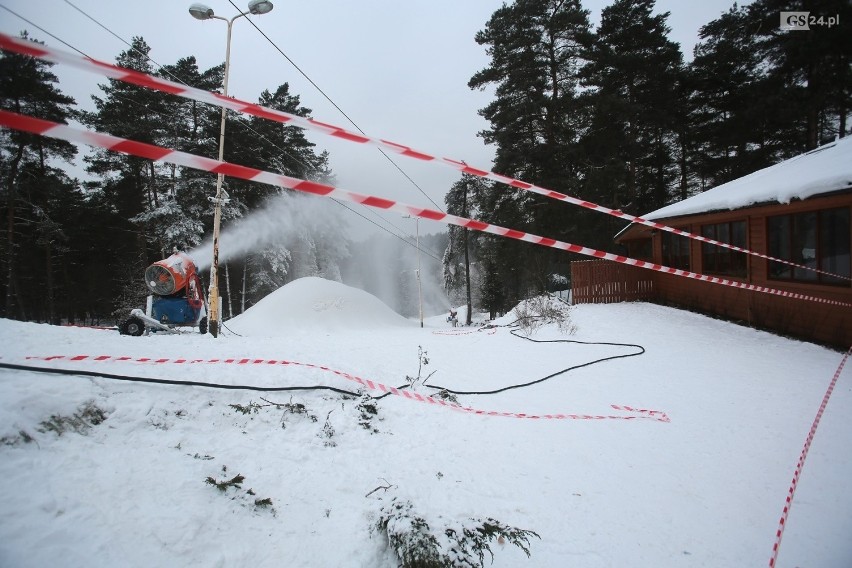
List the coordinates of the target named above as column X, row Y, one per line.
column 201, row 12
column 258, row 7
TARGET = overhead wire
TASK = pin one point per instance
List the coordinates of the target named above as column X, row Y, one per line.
column 41, row 29
column 335, row 105
column 242, row 124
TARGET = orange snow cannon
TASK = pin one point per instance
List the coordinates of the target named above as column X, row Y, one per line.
column 176, row 299
column 171, row 275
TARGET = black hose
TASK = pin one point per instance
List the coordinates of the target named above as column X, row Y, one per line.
column 96, row 374
column 640, row 351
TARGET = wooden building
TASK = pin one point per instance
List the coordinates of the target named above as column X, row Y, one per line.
column 798, row 210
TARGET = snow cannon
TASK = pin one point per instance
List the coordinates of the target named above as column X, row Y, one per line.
column 176, row 298
column 169, row 276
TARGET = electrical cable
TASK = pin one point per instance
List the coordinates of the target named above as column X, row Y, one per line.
column 352, row 122
column 239, row 123
column 536, row 381
column 134, row 379
column 121, row 39
column 41, row 29
column 96, row 374
column 640, row 351
column 231, row 330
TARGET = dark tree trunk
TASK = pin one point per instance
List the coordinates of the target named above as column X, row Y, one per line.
column 11, row 283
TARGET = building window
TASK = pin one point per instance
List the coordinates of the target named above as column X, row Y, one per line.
column 817, row 239
column 675, row 251
column 640, row 249
column 721, row 260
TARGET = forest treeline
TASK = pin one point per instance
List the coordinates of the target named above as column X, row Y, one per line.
column 76, row 251
column 614, row 115
column 611, row 114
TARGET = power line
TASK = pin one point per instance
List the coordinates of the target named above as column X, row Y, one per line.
column 352, row 122
column 425, row 251
column 118, row 37
column 307, row 168
column 41, row 29
column 428, row 252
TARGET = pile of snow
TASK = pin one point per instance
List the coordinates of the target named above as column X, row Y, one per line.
column 315, row 303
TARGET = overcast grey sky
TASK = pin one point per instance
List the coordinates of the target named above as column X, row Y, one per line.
column 399, row 69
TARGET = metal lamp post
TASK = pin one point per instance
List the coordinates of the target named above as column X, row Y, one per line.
column 419, row 287
column 202, row 12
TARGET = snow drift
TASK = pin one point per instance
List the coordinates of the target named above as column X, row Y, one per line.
column 315, row 303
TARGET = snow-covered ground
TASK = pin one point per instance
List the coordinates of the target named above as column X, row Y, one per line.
column 705, row 489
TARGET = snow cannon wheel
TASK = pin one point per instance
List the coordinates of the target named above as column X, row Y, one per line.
column 132, row 326
column 202, row 325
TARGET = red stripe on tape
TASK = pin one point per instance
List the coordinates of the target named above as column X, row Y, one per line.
column 122, row 74
column 20, row 46
column 782, row 523
column 314, row 187
column 25, row 123
column 189, row 160
column 378, row 202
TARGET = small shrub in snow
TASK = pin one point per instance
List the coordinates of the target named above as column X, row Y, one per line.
column 327, row 432
column 475, row 539
column 289, row 408
column 422, row 361
column 87, row 415
column 294, row 409
column 450, row 544
column 245, row 499
column 263, row 503
column 410, row 537
column 250, row 408
column 368, row 410
column 21, row 437
column 223, row 486
column 533, row 313
column 444, row 394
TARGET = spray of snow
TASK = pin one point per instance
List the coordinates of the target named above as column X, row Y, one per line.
column 387, row 270
column 280, row 221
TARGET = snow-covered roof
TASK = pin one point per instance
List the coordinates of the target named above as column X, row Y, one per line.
column 823, row 170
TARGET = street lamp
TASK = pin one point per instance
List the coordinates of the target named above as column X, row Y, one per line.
column 419, row 287
column 202, row 12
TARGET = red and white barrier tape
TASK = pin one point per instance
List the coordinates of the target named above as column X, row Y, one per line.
column 158, row 153
column 487, row 330
column 26, row 47
column 792, row 491
column 634, row 413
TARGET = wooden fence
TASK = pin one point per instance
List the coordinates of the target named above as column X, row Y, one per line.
column 607, row 282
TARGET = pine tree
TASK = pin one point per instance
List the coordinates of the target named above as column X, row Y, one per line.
column 731, row 121
column 633, row 78
column 813, row 67
column 538, row 49
column 184, row 212
column 129, row 187
column 273, row 146
column 461, row 200
column 33, row 189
